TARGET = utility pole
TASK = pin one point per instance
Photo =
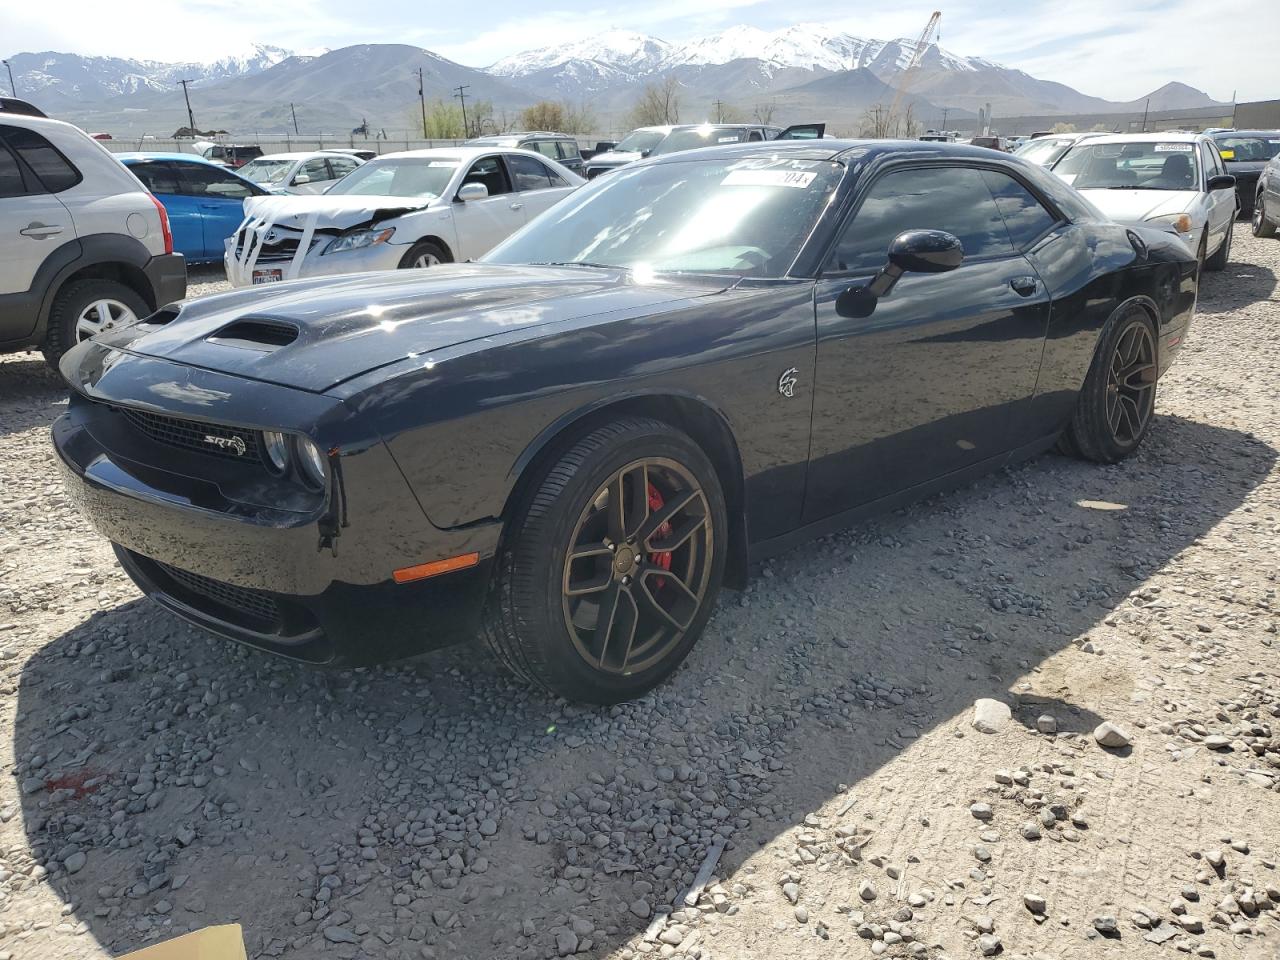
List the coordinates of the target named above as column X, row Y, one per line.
column 1144, row 115
column 719, row 110
column 422, row 99
column 295, row 117
column 945, row 111
column 191, row 117
column 462, row 95
column 12, row 86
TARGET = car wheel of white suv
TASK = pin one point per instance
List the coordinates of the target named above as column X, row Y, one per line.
column 85, row 308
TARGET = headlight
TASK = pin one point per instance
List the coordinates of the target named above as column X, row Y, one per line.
column 277, row 450
column 359, row 239
column 1180, row 222
column 311, row 462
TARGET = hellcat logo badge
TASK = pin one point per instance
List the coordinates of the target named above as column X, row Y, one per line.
column 787, row 382
column 234, row 444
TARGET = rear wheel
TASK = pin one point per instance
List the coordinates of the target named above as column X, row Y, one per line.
column 1220, row 257
column 1116, row 404
column 85, row 308
column 1262, row 227
column 611, row 565
column 423, row 254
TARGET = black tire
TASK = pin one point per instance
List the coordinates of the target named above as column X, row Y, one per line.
column 1223, row 254
column 1261, row 225
column 528, row 621
column 427, row 249
column 73, row 300
column 1092, row 433
column 1202, row 253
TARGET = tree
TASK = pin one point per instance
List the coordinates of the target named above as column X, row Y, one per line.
column 763, row 112
column 879, row 124
column 1100, row 128
column 659, row 104
column 544, row 115
column 444, row 120
column 1061, row 127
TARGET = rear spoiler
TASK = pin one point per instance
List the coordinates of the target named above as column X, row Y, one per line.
column 20, row 108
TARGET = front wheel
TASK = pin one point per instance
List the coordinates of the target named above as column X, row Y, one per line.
column 611, row 564
column 1117, row 402
column 1262, row 227
column 423, row 254
column 85, row 308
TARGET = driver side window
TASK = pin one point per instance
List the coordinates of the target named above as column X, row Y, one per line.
column 953, row 199
column 490, row 172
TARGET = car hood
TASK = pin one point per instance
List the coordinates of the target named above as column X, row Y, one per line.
column 614, row 159
column 332, row 213
column 336, row 328
column 1138, row 205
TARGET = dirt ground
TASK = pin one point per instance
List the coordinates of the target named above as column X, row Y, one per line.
column 819, row 741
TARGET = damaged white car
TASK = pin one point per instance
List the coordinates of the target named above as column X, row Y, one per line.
column 412, row 209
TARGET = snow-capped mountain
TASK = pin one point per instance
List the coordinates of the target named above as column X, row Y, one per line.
column 620, row 49
column 62, row 78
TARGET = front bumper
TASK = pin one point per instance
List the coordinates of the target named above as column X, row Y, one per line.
column 381, row 256
column 306, row 575
column 167, row 275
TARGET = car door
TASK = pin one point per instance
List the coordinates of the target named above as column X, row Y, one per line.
column 482, row 224
column 311, row 177
column 33, row 223
column 803, row 131
column 1221, row 202
column 186, row 219
column 538, row 185
column 339, row 167
column 570, row 156
column 940, row 375
column 219, row 197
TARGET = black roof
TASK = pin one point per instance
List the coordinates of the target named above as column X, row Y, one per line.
column 20, row 107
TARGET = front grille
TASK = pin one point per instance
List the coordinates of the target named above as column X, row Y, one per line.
column 231, row 443
column 281, row 251
column 241, row 600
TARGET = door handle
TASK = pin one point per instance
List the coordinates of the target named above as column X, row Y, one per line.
column 1024, row 286
column 38, row 231
column 517, row 206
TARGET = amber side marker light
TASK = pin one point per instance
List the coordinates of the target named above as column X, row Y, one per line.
column 436, row 567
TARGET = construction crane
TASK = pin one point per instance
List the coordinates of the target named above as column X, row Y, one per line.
column 908, row 74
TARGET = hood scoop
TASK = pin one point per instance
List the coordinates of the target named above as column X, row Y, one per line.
column 251, row 333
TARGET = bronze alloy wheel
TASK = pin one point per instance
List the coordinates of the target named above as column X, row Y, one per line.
column 1131, row 383
column 638, row 566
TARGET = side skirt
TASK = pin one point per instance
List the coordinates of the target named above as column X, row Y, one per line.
column 948, row 481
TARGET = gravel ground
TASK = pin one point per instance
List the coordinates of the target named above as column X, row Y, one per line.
column 822, row 741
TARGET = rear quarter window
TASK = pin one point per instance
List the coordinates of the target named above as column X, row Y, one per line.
column 53, row 170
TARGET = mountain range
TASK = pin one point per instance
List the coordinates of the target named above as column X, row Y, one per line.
column 799, row 73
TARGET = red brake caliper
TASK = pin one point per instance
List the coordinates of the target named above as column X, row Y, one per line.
column 662, row 560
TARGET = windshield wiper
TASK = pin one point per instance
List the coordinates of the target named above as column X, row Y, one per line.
column 1134, row 187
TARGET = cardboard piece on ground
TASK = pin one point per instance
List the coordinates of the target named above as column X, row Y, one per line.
column 212, row 943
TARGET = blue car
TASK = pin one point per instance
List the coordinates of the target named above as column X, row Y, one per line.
column 205, row 202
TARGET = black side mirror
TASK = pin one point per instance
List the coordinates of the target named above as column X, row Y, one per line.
column 1223, row 181
column 645, row 153
column 912, row 251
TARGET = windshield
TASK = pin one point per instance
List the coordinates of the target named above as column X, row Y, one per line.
column 691, row 139
column 638, row 141
column 1247, row 149
column 746, row 217
column 1046, row 151
column 1140, row 165
column 417, row 177
column 266, row 171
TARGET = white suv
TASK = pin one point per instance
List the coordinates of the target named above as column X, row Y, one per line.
column 83, row 245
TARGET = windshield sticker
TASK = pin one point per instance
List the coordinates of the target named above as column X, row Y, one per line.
column 1174, row 148
column 729, row 139
column 768, row 178
column 450, row 164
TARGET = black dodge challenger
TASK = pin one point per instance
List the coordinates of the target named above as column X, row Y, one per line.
column 567, row 447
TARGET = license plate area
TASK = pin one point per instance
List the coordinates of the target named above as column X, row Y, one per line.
column 268, row 275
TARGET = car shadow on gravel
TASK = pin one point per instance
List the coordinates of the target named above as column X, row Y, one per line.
column 170, row 780
column 31, row 394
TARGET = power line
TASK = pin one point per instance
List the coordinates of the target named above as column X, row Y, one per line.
column 461, row 95
column 191, row 117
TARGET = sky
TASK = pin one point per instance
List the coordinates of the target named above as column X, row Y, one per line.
column 1118, row 49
